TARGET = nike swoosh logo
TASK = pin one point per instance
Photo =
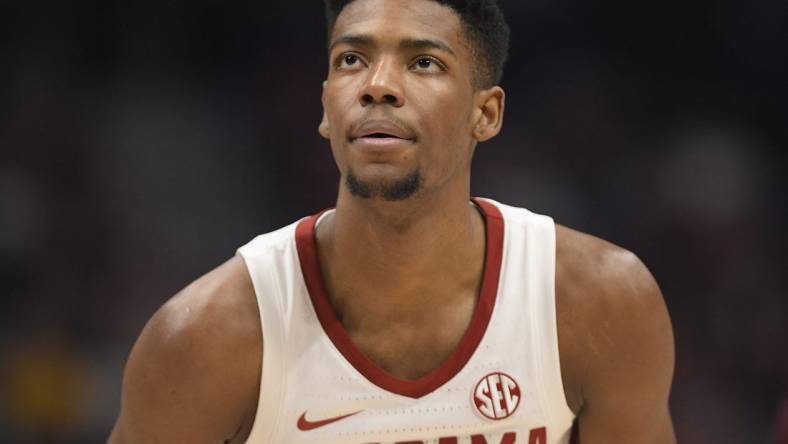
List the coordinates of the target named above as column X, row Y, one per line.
column 305, row 425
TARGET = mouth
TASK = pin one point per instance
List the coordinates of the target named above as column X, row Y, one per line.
column 380, row 136
column 381, row 132
column 381, row 141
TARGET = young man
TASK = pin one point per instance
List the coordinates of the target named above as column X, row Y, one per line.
column 411, row 312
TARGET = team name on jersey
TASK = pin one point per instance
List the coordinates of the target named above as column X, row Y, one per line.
column 535, row 436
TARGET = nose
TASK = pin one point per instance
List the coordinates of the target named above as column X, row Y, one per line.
column 383, row 86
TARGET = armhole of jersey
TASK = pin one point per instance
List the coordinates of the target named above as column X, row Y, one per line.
column 269, row 399
column 536, row 267
column 552, row 318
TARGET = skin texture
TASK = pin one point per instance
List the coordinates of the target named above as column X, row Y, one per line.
column 194, row 374
column 615, row 341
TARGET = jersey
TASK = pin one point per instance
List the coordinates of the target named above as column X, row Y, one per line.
column 502, row 385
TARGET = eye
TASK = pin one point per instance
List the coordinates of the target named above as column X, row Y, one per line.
column 348, row 61
column 428, row 64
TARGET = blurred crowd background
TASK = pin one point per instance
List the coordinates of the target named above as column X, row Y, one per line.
column 142, row 142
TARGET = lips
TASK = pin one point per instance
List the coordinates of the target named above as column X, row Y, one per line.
column 381, row 130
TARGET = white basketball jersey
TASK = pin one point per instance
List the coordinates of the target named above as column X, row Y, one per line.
column 502, row 385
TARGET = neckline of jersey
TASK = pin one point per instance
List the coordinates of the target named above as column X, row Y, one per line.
column 306, row 245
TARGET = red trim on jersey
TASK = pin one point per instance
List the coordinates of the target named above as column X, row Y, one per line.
column 313, row 277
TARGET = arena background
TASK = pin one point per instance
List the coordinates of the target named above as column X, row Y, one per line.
column 142, row 142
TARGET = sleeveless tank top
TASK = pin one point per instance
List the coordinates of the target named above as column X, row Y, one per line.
column 502, row 385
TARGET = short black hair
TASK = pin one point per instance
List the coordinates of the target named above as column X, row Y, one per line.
column 485, row 28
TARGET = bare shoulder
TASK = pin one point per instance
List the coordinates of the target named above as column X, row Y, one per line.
column 614, row 328
column 219, row 308
column 592, row 271
column 193, row 374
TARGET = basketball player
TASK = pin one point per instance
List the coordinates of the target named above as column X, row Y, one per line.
column 410, row 313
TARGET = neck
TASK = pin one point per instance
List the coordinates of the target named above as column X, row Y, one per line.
column 389, row 258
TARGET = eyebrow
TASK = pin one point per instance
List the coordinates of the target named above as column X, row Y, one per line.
column 366, row 40
column 426, row 44
column 351, row 39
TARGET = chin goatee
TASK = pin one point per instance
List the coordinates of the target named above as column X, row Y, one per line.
column 398, row 190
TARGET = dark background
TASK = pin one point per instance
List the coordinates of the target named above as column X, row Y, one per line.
column 142, row 142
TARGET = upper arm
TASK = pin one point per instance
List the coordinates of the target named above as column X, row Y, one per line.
column 193, row 375
column 623, row 351
column 629, row 377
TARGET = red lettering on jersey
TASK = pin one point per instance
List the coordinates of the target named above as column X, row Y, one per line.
column 538, row 436
column 508, row 438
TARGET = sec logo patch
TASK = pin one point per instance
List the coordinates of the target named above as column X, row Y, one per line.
column 496, row 396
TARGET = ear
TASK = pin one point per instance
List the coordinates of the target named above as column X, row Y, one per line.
column 488, row 115
column 324, row 128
